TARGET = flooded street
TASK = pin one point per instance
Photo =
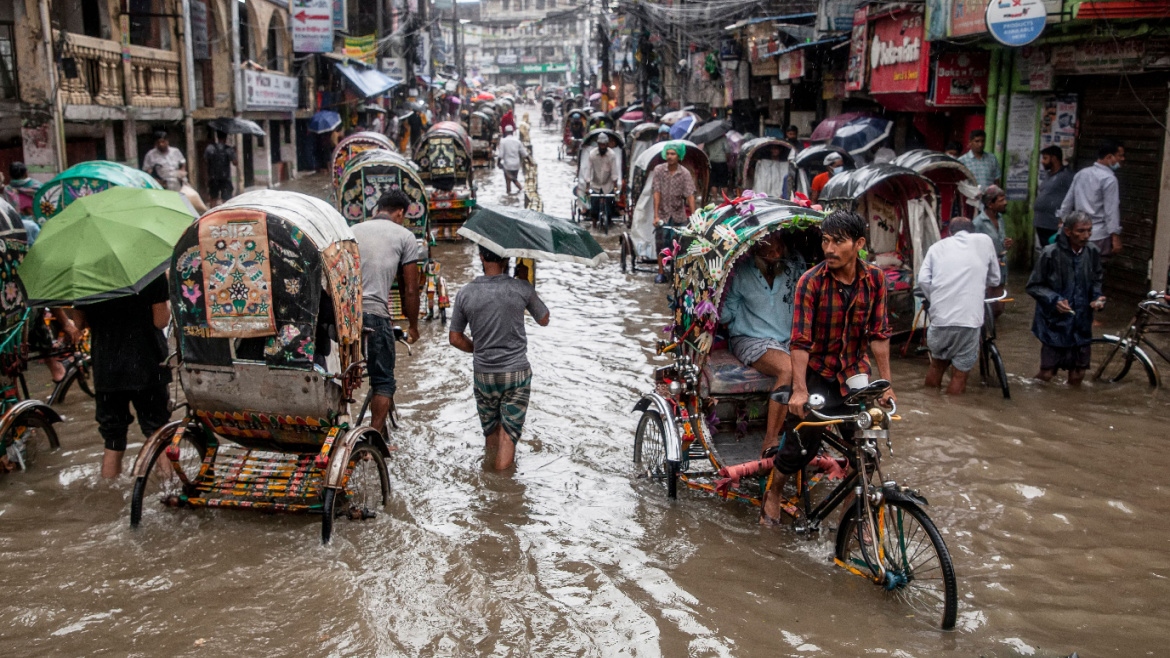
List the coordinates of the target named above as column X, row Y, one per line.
column 1053, row 505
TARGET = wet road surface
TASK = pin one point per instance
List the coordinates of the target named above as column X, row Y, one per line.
column 1053, row 505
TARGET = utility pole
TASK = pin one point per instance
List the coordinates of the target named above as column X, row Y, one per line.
column 605, row 81
column 455, row 42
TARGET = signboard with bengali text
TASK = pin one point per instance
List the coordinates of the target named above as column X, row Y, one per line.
column 312, row 26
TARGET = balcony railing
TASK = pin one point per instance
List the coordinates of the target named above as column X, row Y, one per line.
column 101, row 77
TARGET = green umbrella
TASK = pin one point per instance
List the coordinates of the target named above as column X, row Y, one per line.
column 106, row 245
column 521, row 233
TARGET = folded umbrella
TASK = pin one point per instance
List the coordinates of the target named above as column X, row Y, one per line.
column 521, row 233
column 236, row 126
column 325, row 121
column 105, row 245
column 860, row 135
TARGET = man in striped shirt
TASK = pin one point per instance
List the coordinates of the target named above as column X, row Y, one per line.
column 984, row 165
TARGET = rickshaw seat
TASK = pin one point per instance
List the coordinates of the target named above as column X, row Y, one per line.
column 256, row 387
column 725, row 375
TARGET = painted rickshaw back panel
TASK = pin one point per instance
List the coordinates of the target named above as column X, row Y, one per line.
column 352, row 145
column 14, row 242
column 445, row 165
column 371, row 174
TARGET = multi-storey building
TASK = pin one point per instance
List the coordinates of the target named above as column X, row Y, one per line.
column 531, row 42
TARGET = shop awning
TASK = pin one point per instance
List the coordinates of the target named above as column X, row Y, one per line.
column 368, row 82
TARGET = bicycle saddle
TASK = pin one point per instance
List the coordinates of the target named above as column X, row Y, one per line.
column 875, row 390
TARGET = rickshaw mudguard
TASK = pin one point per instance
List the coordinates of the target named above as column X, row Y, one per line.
column 164, row 433
column 665, row 412
column 344, row 448
column 26, row 407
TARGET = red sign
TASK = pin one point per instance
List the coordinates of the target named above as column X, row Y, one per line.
column 855, row 73
column 960, row 79
column 898, row 55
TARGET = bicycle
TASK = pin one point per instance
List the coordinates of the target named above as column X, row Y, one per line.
column 885, row 535
column 1117, row 354
column 603, row 205
column 990, row 361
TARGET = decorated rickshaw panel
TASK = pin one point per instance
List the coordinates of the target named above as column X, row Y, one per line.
column 204, row 296
column 12, row 301
column 368, row 179
column 442, row 155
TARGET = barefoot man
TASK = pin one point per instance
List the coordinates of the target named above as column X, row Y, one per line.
column 493, row 307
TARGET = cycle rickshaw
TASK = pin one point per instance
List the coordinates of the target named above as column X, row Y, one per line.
column 595, row 204
column 765, row 165
column 26, row 426
column 638, row 243
column 600, row 120
column 350, row 146
column 370, row 175
column 955, row 183
column 83, row 180
column 638, row 139
column 269, row 362
column 574, row 132
column 703, row 424
column 548, row 108
column 444, row 164
column 481, row 129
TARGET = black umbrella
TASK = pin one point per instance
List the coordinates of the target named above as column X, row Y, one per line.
column 236, row 126
column 710, row 131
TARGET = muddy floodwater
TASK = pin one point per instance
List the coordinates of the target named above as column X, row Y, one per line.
column 1053, row 504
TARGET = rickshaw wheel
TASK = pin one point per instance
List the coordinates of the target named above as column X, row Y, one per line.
column 364, row 493
column 650, row 452
column 36, row 434
column 161, row 482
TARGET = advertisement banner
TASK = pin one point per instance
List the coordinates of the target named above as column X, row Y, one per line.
column 364, row 49
column 340, row 16
column 1099, row 57
column 1021, row 138
column 200, row 46
column 507, row 59
column 898, row 56
column 269, row 91
column 960, row 79
column 791, row 65
column 312, row 26
column 1058, row 124
column 855, row 74
column 1016, row 22
column 395, row 67
column 967, row 17
column 767, row 67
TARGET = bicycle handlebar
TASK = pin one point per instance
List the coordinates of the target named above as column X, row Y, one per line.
column 997, row 299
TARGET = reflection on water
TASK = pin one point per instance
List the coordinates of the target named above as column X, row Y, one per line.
column 1052, row 504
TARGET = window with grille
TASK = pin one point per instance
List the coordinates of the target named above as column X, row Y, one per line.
column 7, row 62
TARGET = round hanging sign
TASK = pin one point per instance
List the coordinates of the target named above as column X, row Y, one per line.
column 1016, row 22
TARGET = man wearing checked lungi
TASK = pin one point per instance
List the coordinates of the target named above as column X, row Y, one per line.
column 493, row 306
column 758, row 315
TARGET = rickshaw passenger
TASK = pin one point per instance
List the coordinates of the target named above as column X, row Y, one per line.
column 771, row 174
column 577, row 127
column 385, row 248
column 840, row 316
column 758, row 315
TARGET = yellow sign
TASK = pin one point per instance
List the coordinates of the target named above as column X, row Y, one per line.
column 364, row 49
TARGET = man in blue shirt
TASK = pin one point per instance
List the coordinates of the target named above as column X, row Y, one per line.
column 984, row 165
column 758, row 315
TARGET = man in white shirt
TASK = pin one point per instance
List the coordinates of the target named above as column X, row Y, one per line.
column 512, row 156
column 955, row 276
column 601, row 172
column 166, row 162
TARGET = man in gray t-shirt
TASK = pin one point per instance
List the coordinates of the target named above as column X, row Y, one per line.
column 386, row 248
column 493, row 305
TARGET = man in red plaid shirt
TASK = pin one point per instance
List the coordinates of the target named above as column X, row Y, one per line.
column 840, row 316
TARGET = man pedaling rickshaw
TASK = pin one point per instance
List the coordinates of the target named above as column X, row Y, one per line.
column 602, row 174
